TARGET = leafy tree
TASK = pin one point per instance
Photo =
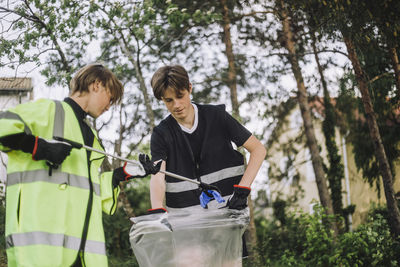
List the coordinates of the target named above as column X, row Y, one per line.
column 290, row 45
column 347, row 20
column 335, row 170
column 48, row 34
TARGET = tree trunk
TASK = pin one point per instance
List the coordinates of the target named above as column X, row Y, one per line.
column 231, row 59
column 384, row 167
column 335, row 172
column 396, row 67
column 252, row 234
column 251, row 237
column 306, row 114
column 124, row 45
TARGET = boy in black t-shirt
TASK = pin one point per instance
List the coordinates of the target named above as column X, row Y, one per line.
column 195, row 141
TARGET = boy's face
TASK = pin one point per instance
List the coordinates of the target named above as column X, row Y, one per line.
column 100, row 100
column 179, row 105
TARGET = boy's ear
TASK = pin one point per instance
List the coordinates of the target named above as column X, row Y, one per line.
column 190, row 88
column 94, row 86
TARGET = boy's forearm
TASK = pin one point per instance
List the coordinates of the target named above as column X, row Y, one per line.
column 257, row 156
column 157, row 193
column 157, row 189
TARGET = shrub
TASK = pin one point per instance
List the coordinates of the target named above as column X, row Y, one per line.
column 305, row 240
column 371, row 244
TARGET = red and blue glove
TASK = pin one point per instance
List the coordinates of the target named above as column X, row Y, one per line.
column 128, row 172
column 238, row 200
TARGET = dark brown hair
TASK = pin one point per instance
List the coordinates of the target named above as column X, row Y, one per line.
column 97, row 72
column 170, row 76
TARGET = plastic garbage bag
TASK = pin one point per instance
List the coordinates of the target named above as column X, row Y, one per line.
column 200, row 238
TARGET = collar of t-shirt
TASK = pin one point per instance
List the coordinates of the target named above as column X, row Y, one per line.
column 196, row 121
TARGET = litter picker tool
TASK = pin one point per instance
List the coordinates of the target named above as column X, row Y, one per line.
column 204, row 187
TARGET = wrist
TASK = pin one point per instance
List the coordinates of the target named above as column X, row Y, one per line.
column 35, row 146
column 118, row 176
column 127, row 175
column 156, row 210
column 241, row 191
column 242, row 186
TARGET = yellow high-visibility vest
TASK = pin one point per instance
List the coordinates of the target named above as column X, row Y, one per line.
column 47, row 216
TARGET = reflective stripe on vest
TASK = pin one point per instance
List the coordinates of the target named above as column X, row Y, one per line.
column 59, row 240
column 57, row 177
column 14, row 116
column 208, row 179
column 59, row 118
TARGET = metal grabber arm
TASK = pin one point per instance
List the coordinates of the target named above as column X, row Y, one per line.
column 203, row 186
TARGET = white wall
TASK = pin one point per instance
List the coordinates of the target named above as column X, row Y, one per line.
column 7, row 101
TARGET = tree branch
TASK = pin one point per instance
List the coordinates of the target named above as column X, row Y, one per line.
column 380, row 76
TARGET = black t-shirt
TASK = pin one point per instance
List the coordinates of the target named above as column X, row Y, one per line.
column 216, row 161
column 236, row 133
column 196, row 138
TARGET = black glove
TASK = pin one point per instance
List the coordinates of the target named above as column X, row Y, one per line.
column 155, row 211
column 54, row 152
column 128, row 171
column 238, row 201
column 148, row 165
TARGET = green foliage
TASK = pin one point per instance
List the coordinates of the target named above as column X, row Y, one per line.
column 48, row 34
column 370, row 244
column 335, row 171
column 304, row 240
column 303, row 237
column 355, row 121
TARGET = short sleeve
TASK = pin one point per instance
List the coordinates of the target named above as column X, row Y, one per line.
column 236, row 131
column 158, row 146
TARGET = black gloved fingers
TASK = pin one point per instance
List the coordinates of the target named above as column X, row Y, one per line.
column 142, row 158
column 238, row 201
column 157, row 167
column 206, row 187
column 58, row 152
column 61, row 151
column 54, row 152
column 242, row 190
column 118, row 176
column 148, row 164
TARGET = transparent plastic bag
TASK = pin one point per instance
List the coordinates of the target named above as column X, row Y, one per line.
column 200, row 238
